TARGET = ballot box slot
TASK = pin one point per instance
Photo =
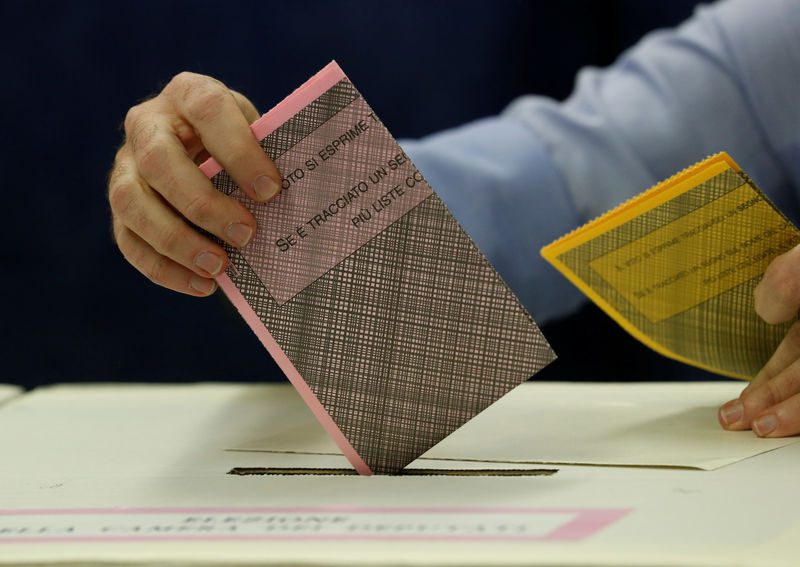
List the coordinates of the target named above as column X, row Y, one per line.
column 296, row 471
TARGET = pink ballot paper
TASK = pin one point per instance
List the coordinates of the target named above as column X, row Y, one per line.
column 381, row 311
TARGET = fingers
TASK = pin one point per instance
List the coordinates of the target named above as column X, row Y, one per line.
column 156, row 191
column 160, row 162
column 777, row 297
column 773, row 410
column 770, row 404
column 215, row 114
column 786, row 353
column 138, row 208
column 770, row 409
column 160, row 269
column 781, row 420
column 143, row 212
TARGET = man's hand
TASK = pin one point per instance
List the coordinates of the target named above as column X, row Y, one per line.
column 155, row 186
column 770, row 404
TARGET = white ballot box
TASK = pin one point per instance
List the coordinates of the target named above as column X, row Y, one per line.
column 141, row 475
column 8, row 391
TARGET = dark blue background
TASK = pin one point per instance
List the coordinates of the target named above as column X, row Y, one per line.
column 73, row 310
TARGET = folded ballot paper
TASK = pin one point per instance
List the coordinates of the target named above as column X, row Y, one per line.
column 677, row 266
column 381, row 311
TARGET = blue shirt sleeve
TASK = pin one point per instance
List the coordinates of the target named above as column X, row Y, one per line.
column 728, row 79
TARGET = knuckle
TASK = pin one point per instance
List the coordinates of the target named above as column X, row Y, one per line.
column 184, row 80
column 120, row 171
column 244, row 150
column 138, row 120
column 200, row 210
column 157, row 271
column 206, row 103
column 171, row 240
column 242, row 159
column 132, row 118
column 139, row 129
column 153, row 161
column 121, row 165
column 143, row 135
column 773, row 393
column 121, row 198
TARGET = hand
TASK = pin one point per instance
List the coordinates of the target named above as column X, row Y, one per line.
column 770, row 404
column 155, row 186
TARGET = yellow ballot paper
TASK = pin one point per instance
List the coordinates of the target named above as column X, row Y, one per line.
column 677, row 265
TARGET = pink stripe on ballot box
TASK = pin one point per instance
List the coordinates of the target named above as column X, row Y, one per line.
column 334, row 523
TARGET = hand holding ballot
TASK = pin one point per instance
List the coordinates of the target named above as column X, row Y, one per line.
column 348, row 258
column 679, row 266
column 157, row 192
column 770, row 404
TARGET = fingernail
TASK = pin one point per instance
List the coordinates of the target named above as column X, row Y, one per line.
column 211, row 263
column 765, row 425
column 239, row 233
column 732, row 413
column 203, row 285
column 265, row 188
